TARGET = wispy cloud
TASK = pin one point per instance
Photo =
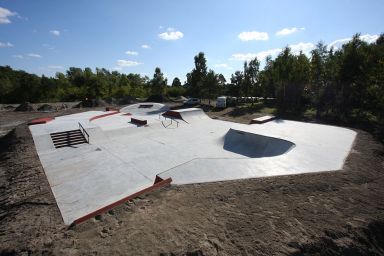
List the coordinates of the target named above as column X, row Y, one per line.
column 55, row 67
column 171, row 34
column 49, row 47
column 5, row 14
column 127, row 63
column 5, row 45
column 18, row 56
column 259, row 55
column 306, row 48
column 264, row 54
column 243, row 56
column 55, row 32
column 339, row 42
column 253, row 35
column 222, row 65
column 145, row 46
column 288, row 31
column 132, row 53
column 34, row 55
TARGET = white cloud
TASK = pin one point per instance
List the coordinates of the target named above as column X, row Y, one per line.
column 339, row 42
column 243, row 56
column 259, row 55
column 18, row 56
column 145, row 46
column 306, row 48
column 171, row 34
column 369, row 38
column 5, row 45
column 288, row 31
column 55, row 32
column 253, row 35
column 34, row 55
column 222, row 65
column 262, row 55
column 132, row 53
column 127, row 63
column 5, row 14
column 55, row 67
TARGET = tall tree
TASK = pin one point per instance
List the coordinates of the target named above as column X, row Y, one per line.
column 176, row 82
column 196, row 79
column 158, row 82
column 212, row 83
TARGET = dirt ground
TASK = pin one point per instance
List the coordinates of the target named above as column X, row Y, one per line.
column 331, row 213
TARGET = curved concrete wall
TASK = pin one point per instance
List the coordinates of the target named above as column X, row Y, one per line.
column 254, row 145
column 147, row 108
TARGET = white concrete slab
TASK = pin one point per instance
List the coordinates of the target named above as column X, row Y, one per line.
column 123, row 158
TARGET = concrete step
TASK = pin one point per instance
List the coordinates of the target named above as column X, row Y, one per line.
column 69, row 141
column 66, row 134
column 70, row 144
column 69, row 131
column 68, row 138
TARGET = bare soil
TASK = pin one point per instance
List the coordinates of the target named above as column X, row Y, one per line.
column 332, row 213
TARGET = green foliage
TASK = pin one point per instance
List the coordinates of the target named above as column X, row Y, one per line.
column 158, row 83
column 176, row 91
column 196, row 78
column 75, row 84
column 176, row 82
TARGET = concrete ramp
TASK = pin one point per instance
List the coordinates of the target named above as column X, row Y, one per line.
column 255, row 145
column 123, row 160
column 148, row 108
column 189, row 115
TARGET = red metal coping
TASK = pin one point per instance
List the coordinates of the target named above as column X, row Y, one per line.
column 138, row 121
column 172, row 113
column 103, row 115
column 159, row 182
column 42, row 120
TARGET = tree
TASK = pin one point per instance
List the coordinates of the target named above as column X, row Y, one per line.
column 236, row 83
column 251, row 78
column 212, row 83
column 176, row 82
column 318, row 75
column 267, row 80
column 158, row 82
column 196, row 79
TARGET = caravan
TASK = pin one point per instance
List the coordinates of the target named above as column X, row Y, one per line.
column 221, row 102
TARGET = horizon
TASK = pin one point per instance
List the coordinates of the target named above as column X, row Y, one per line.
column 44, row 37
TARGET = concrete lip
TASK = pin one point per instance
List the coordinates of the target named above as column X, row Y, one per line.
column 186, row 146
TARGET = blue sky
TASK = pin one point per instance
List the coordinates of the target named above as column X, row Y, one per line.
column 45, row 37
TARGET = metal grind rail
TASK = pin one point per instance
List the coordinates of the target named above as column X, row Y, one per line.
column 84, row 132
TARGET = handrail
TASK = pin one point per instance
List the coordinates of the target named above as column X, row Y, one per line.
column 165, row 118
column 84, row 132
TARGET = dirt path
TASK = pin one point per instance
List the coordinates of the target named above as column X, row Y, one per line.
column 333, row 213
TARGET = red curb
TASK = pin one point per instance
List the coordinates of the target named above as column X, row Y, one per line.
column 103, row 115
column 42, row 120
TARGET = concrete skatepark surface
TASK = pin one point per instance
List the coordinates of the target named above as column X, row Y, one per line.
column 123, row 158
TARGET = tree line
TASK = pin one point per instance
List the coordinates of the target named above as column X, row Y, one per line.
column 340, row 84
column 345, row 82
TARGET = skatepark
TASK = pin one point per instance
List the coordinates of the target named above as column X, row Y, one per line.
column 95, row 160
